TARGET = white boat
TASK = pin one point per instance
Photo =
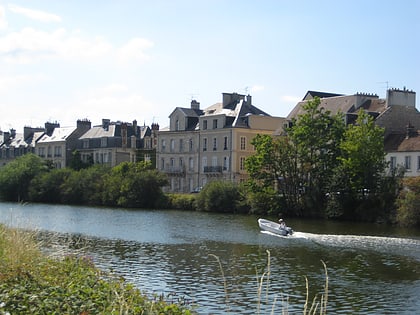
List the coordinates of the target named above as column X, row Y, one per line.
column 273, row 227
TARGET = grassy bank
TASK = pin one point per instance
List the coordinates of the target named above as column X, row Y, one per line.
column 31, row 283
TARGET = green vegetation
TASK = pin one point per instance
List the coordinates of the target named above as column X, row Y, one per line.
column 31, row 283
column 134, row 185
column 322, row 168
column 408, row 212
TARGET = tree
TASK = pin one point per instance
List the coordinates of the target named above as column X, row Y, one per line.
column 135, row 185
column 316, row 135
column 358, row 179
column 408, row 211
column 16, row 176
column 300, row 163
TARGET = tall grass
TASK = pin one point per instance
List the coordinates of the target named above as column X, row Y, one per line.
column 32, row 283
column 317, row 306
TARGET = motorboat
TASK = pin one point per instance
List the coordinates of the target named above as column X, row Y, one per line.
column 274, row 227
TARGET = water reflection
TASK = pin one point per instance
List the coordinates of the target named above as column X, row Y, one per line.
column 171, row 253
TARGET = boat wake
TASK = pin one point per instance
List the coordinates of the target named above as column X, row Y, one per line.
column 403, row 246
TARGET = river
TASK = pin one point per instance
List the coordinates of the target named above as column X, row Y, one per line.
column 213, row 261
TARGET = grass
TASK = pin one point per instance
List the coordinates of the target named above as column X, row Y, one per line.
column 317, row 306
column 32, row 283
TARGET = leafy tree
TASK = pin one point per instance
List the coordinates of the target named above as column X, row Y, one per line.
column 408, row 211
column 220, row 196
column 316, row 135
column 300, row 163
column 85, row 186
column 47, row 187
column 76, row 162
column 359, row 178
column 16, row 176
column 135, row 185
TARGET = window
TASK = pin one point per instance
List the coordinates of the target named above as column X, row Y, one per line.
column 225, row 163
column 57, row 151
column 418, row 162
column 214, row 161
column 225, row 143
column 214, row 123
column 181, row 162
column 204, row 162
column 407, row 162
column 177, row 125
column 49, row 151
column 214, row 144
column 172, row 161
column 172, row 145
column 86, row 144
column 243, row 142
column 393, row 162
column 181, row 145
column 204, row 124
column 162, row 164
column 191, row 163
column 191, row 145
column 104, row 142
column 205, row 144
column 163, row 145
column 242, row 164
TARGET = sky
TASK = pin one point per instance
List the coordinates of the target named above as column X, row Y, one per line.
column 61, row 60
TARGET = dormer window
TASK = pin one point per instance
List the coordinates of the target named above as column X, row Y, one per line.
column 204, row 124
column 177, row 125
column 214, row 123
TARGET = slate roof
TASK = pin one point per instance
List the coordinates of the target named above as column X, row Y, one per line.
column 344, row 104
column 99, row 132
column 312, row 94
column 399, row 142
column 59, row 134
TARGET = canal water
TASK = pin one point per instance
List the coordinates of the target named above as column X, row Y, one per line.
column 215, row 262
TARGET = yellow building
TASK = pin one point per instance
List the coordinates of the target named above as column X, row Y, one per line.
column 211, row 144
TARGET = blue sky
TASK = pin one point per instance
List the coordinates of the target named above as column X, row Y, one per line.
column 125, row 60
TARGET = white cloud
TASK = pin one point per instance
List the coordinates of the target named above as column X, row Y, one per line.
column 31, row 45
column 3, row 22
column 134, row 50
column 9, row 82
column 290, row 99
column 257, row 88
column 35, row 14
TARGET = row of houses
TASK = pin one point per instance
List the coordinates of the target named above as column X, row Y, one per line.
column 201, row 145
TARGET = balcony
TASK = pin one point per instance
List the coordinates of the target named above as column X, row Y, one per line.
column 213, row 169
column 174, row 170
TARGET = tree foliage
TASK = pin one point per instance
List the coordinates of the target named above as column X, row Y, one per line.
column 408, row 211
column 320, row 167
column 220, row 196
column 16, row 177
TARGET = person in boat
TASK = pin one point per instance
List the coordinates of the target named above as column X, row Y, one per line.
column 282, row 224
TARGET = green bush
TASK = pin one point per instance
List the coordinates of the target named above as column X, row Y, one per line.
column 31, row 283
column 408, row 203
column 221, row 196
column 181, row 201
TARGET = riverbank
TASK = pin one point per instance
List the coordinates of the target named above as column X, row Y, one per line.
column 32, row 283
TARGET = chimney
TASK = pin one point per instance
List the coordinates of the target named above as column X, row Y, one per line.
column 83, row 124
column 135, row 127
column 195, row 104
column 49, row 127
column 249, row 100
column 155, row 126
column 12, row 133
column 106, row 123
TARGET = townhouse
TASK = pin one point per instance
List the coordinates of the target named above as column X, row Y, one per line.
column 14, row 145
column 112, row 143
column 201, row 145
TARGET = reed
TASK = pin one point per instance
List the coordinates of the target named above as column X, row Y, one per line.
column 32, row 283
column 317, row 306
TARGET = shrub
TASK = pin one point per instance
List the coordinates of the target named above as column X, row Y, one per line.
column 408, row 203
column 220, row 196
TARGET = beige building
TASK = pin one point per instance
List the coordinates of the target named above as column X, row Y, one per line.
column 211, row 144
